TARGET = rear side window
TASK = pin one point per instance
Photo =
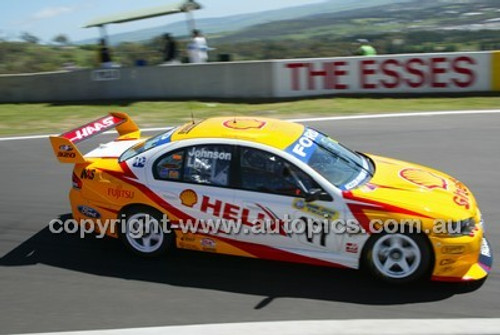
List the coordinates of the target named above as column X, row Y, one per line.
column 170, row 167
column 203, row 164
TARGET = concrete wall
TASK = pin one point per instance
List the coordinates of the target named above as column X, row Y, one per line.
column 420, row 73
column 213, row 80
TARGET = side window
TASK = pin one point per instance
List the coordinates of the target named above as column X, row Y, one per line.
column 208, row 164
column 264, row 172
column 170, row 167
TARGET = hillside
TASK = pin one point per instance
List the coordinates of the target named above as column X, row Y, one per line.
column 396, row 17
column 416, row 26
column 237, row 22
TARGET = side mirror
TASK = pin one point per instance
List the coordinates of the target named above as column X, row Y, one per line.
column 313, row 195
column 317, row 194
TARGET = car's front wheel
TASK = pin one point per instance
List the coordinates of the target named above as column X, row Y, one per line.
column 143, row 233
column 398, row 258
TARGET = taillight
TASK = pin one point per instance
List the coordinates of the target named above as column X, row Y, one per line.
column 77, row 183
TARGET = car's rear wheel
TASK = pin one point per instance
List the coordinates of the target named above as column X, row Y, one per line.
column 398, row 258
column 143, row 233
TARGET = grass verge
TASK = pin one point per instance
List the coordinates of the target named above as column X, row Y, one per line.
column 23, row 119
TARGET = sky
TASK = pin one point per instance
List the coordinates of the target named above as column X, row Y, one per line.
column 48, row 18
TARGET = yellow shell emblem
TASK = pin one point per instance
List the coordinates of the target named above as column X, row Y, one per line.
column 423, row 178
column 188, row 198
column 243, row 124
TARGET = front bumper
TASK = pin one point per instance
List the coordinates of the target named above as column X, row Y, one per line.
column 460, row 267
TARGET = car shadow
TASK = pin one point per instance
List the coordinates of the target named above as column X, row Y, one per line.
column 108, row 257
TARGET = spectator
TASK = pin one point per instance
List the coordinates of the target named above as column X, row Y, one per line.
column 104, row 55
column 197, row 48
column 365, row 49
column 169, row 49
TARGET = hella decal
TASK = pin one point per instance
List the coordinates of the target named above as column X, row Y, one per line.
column 89, row 212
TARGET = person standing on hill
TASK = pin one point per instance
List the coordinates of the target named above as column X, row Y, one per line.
column 365, row 48
column 197, row 48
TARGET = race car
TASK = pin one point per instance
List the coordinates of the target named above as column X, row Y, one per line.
column 277, row 190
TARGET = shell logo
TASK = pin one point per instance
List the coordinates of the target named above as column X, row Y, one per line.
column 423, row 178
column 244, row 124
column 188, row 198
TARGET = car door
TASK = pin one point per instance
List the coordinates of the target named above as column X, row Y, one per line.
column 267, row 191
column 196, row 180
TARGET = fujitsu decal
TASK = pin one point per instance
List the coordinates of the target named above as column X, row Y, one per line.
column 93, row 128
column 423, row 178
column 119, row 193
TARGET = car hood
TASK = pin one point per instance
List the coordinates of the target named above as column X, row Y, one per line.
column 413, row 188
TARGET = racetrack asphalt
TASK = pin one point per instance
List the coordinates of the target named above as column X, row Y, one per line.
column 59, row 282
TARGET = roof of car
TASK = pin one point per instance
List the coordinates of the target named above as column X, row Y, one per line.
column 276, row 133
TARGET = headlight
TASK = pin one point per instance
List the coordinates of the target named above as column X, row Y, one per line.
column 462, row 227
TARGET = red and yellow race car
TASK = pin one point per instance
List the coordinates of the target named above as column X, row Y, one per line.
column 273, row 189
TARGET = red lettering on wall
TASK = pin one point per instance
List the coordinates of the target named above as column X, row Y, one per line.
column 335, row 73
column 436, row 70
column 470, row 76
column 365, row 71
column 311, row 74
column 295, row 74
column 388, row 69
column 418, row 73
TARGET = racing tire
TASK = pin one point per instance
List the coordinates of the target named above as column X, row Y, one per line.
column 143, row 233
column 398, row 258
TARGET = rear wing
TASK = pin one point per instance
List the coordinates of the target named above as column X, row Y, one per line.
column 64, row 145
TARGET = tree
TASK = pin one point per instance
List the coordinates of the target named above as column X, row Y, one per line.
column 29, row 38
column 61, row 39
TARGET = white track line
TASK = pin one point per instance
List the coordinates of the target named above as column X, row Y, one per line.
column 394, row 115
column 316, row 119
column 323, row 327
